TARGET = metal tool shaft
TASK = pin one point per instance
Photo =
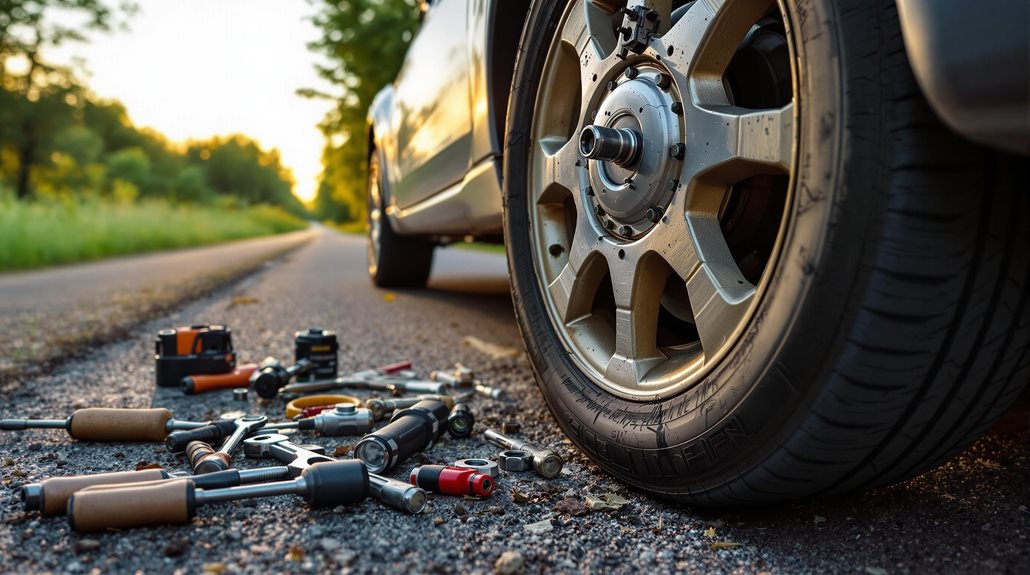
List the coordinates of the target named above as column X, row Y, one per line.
column 15, row 424
column 295, row 487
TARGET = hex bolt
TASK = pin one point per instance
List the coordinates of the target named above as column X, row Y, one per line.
column 612, row 85
column 678, row 151
column 632, row 73
column 673, row 185
column 664, row 81
column 599, row 210
column 654, row 214
column 590, row 191
column 676, row 108
column 609, row 224
column 626, row 231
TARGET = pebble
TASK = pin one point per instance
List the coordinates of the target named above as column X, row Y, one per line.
column 86, row 545
column 328, row 544
column 510, row 563
column 438, row 521
column 460, row 510
column 35, row 447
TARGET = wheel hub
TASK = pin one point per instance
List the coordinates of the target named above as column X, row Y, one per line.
column 632, row 153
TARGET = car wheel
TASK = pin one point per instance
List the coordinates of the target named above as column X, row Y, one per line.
column 394, row 261
column 748, row 263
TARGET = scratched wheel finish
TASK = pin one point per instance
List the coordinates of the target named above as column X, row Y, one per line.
column 652, row 261
column 748, row 262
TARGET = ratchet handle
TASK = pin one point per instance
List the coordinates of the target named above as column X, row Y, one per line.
column 177, row 441
column 134, row 505
column 239, row 377
column 111, row 424
column 50, row 496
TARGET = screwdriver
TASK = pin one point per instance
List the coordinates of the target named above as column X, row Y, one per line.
column 109, row 424
column 172, row 501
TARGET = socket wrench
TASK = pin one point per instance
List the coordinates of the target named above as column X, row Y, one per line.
column 546, row 463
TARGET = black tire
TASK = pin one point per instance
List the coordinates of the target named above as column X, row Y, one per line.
column 394, row 261
column 896, row 327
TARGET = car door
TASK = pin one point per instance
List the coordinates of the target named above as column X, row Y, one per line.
column 431, row 112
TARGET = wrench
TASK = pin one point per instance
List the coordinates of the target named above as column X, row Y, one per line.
column 222, row 459
column 297, row 458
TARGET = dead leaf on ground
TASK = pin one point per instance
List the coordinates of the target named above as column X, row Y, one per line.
column 819, row 519
column 726, row 545
column 519, row 497
column 242, row 300
column 295, row 554
column 571, row 506
column 389, row 296
column 710, row 532
column 606, row 502
column 989, row 464
column 214, row 568
column 493, row 350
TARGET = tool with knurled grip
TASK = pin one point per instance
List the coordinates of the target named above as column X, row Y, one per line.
column 109, row 424
column 327, row 484
column 297, row 458
column 409, row 431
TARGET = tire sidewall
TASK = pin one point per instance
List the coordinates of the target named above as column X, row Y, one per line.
column 695, row 443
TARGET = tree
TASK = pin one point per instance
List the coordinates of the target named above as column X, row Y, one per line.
column 365, row 42
column 39, row 95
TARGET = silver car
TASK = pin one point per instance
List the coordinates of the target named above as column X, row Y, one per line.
column 760, row 250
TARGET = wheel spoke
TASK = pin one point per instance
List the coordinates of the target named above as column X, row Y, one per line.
column 710, row 31
column 558, row 169
column 637, row 284
column 719, row 294
column 736, row 143
column 588, row 31
column 574, row 288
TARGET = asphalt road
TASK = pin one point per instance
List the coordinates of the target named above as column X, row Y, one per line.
column 51, row 312
column 969, row 516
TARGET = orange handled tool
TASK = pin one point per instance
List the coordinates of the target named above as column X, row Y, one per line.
column 239, row 377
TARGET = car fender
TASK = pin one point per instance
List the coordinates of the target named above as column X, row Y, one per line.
column 380, row 136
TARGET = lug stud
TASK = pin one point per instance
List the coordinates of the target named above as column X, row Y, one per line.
column 678, row 151
column 654, row 214
column 676, row 108
column 609, row 224
column 599, row 211
column 590, row 191
column 632, row 72
column 612, row 85
column 626, row 231
column 664, row 81
column 673, row 185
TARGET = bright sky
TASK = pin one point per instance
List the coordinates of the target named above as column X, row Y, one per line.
column 198, row 68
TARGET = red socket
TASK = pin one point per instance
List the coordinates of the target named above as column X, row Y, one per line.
column 452, row 480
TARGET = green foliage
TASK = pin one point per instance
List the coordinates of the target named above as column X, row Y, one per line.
column 35, row 234
column 130, row 165
column 365, row 42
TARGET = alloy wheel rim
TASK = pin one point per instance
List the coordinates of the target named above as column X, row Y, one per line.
column 373, row 222
column 642, row 249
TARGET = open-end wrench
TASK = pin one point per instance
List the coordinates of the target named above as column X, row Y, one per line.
column 297, row 458
column 222, row 459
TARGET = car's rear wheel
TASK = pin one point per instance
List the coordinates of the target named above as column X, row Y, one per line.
column 748, row 263
column 394, row 261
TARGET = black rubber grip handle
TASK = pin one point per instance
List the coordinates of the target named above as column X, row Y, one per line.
column 218, row 479
column 333, row 483
column 176, row 441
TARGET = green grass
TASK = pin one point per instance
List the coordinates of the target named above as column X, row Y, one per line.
column 479, row 247
column 41, row 234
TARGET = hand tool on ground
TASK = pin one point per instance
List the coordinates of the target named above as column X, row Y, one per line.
column 272, row 375
column 515, row 460
column 315, row 404
column 194, row 350
column 462, row 377
column 211, row 461
column 109, row 424
column 343, row 419
column 452, row 480
column 546, row 462
column 50, row 496
column 240, row 394
column 480, row 465
column 460, row 421
column 236, row 378
column 354, row 380
column 319, row 346
column 409, row 431
column 380, row 407
column 394, row 493
column 215, row 431
column 327, row 484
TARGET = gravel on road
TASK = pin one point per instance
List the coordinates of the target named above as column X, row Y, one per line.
column 969, row 516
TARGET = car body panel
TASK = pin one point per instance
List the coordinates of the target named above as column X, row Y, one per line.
column 973, row 65
column 432, row 120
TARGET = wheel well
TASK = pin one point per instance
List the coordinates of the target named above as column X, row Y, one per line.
column 505, row 34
